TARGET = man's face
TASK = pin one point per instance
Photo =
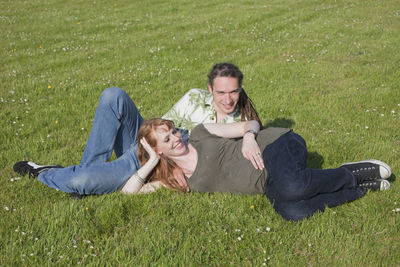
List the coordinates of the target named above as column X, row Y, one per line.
column 225, row 92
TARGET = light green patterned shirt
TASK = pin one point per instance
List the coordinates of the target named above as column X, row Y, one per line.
column 195, row 107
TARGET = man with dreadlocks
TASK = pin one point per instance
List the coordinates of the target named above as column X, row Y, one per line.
column 224, row 102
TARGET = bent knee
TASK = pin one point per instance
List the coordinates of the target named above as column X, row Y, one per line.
column 112, row 93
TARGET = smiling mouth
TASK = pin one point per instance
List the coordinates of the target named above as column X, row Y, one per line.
column 179, row 145
column 228, row 106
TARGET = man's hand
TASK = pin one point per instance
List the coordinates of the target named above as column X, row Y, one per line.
column 251, row 151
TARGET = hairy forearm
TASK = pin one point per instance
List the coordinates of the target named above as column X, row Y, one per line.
column 136, row 181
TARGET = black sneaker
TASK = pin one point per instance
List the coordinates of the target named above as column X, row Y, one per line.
column 31, row 168
column 376, row 185
column 368, row 170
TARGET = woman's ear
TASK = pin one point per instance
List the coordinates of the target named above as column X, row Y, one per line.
column 156, row 150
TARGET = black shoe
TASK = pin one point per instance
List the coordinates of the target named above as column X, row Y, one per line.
column 31, row 168
column 368, row 170
column 376, row 185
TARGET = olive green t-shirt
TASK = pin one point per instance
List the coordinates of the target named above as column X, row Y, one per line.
column 221, row 166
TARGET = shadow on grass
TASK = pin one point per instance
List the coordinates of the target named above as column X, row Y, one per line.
column 392, row 178
column 315, row 160
column 280, row 122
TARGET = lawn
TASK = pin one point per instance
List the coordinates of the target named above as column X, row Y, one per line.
column 327, row 69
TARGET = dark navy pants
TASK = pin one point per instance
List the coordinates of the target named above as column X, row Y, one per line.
column 297, row 192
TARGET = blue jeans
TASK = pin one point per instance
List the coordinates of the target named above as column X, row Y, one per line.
column 297, row 192
column 115, row 128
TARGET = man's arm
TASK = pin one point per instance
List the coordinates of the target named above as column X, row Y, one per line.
column 233, row 130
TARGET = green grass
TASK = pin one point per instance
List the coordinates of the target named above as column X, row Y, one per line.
column 328, row 69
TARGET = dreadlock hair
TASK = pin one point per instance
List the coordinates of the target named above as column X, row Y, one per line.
column 245, row 104
column 164, row 170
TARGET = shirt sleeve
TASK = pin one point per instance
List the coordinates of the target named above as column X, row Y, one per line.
column 178, row 111
column 183, row 113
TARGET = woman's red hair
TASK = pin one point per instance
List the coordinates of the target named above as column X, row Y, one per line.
column 165, row 168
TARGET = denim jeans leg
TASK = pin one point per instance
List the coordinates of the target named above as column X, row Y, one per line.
column 298, row 210
column 291, row 186
column 115, row 127
column 97, row 178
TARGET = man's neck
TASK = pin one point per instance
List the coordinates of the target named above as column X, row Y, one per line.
column 219, row 115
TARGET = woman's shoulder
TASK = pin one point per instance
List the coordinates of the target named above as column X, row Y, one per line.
column 198, row 132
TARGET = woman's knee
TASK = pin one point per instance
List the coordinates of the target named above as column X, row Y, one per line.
column 109, row 95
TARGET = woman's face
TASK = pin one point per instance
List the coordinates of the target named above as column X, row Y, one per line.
column 169, row 142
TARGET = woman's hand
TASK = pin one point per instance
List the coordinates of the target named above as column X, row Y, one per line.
column 153, row 155
column 154, row 158
column 135, row 182
column 251, row 151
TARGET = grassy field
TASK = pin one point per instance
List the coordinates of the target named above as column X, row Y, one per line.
column 328, row 69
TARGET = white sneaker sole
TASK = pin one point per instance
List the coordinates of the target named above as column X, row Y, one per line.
column 385, row 185
column 378, row 162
